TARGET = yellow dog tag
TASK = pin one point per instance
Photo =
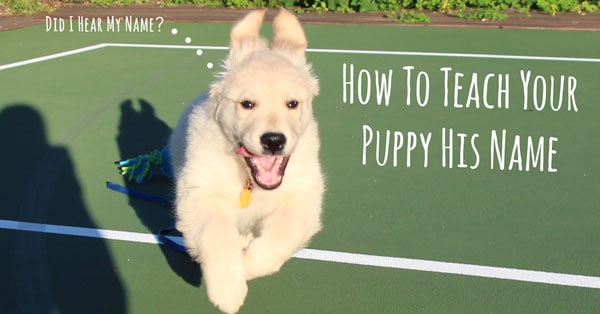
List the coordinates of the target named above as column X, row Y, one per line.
column 246, row 195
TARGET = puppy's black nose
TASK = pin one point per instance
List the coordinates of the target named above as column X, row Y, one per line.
column 273, row 142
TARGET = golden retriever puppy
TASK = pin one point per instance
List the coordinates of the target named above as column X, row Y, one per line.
column 249, row 185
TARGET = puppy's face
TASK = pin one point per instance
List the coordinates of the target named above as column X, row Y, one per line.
column 268, row 95
column 266, row 106
column 262, row 100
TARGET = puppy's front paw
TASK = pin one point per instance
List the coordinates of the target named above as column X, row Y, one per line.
column 228, row 295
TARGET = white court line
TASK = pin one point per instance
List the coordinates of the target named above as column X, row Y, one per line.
column 338, row 257
column 454, row 55
column 98, row 46
column 126, row 45
column 380, row 52
column 337, row 51
column 52, row 56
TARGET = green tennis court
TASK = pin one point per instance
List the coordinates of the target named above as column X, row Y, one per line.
column 462, row 165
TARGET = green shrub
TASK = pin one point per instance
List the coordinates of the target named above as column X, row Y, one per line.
column 482, row 14
column 555, row 6
column 409, row 16
column 401, row 9
column 25, row 6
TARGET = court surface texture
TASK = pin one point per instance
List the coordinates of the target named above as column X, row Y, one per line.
column 462, row 170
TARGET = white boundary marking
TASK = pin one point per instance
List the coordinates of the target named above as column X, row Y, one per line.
column 454, row 55
column 337, row 257
column 336, row 51
column 52, row 56
column 324, row 255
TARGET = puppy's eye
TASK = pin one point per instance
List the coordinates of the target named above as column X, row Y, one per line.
column 247, row 104
column 292, row 104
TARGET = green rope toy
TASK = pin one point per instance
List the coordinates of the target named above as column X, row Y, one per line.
column 140, row 169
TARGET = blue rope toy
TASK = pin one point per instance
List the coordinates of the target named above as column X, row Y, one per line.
column 140, row 169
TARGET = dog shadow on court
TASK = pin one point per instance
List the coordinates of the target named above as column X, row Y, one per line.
column 140, row 131
column 43, row 272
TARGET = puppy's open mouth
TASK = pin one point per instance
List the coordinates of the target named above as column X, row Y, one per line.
column 267, row 170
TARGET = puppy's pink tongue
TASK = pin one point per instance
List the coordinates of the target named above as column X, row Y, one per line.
column 267, row 170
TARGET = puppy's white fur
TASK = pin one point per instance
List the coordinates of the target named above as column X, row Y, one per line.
column 234, row 244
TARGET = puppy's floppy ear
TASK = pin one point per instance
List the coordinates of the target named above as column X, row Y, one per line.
column 290, row 41
column 244, row 40
column 289, row 36
column 245, row 36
